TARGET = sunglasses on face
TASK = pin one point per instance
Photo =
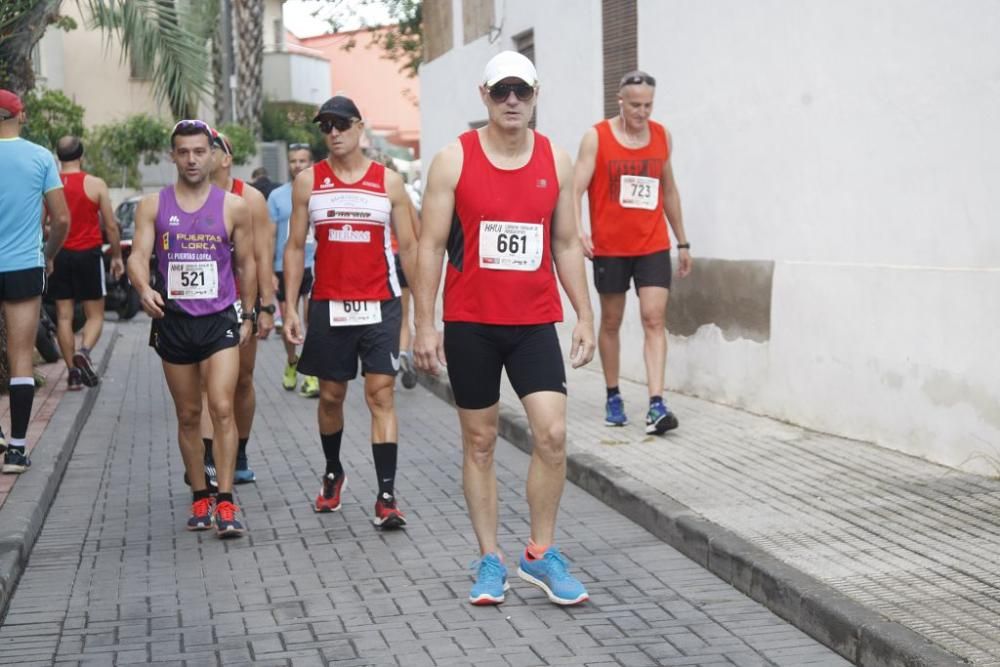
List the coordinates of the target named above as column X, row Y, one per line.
column 327, row 125
column 499, row 92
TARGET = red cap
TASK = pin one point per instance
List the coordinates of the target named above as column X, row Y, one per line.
column 10, row 103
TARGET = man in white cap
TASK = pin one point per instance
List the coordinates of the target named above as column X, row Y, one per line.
column 500, row 199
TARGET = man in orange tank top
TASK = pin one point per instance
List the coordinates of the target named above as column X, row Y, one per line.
column 624, row 167
column 78, row 273
column 501, row 200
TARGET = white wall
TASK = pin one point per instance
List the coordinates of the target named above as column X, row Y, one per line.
column 853, row 143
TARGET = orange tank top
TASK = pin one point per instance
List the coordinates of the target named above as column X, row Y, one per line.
column 85, row 225
column 626, row 196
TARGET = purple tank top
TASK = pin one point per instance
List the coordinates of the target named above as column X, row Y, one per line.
column 193, row 255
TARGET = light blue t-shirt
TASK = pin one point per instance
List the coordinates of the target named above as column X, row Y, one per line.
column 279, row 206
column 27, row 172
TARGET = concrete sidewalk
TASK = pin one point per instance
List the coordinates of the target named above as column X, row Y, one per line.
column 57, row 416
column 886, row 558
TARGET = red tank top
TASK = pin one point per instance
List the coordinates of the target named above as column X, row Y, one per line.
column 499, row 267
column 85, row 225
column 237, row 188
column 352, row 222
column 626, row 196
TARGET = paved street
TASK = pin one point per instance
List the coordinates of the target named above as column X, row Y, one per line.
column 115, row 578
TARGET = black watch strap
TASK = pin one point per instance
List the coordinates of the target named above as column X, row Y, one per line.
column 269, row 309
column 683, row 246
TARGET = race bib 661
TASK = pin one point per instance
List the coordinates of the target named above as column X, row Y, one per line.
column 511, row 246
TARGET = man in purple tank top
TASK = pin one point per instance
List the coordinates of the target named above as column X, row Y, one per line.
column 198, row 235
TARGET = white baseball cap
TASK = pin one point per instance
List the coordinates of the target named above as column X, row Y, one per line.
column 509, row 64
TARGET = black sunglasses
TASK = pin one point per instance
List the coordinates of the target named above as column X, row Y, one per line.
column 637, row 79
column 341, row 124
column 499, row 92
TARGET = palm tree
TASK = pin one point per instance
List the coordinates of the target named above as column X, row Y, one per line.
column 249, row 15
column 22, row 24
column 171, row 37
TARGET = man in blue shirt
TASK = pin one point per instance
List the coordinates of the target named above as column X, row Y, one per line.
column 30, row 176
column 279, row 206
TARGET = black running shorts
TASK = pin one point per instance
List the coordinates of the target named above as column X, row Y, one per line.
column 23, row 284
column 476, row 353
column 332, row 353
column 183, row 339
column 304, row 287
column 78, row 275
column 613, row 274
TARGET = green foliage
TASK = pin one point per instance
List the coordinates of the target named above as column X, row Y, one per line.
column 292, row 123
column 51, row 115
column 242, row 140
column 401, row 38
column 113, row 151
column 169, row 36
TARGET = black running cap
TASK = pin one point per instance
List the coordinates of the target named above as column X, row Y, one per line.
column 340, row 106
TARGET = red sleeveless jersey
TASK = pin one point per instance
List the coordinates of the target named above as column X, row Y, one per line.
column 85, row 225
column 500, row 267
column 237, row 188
column 352, row 223
column 626, row 196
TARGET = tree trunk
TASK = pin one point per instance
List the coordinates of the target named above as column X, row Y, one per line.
column 220, row 83
column 249, row 25
column 20, row 29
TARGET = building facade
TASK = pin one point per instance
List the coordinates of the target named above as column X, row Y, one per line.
column 835, row 162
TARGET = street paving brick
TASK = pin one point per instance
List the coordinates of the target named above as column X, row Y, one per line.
column 114, row 577
column 888, row 530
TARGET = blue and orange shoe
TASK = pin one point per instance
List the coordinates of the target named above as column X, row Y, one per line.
column 491, row 581
column 660, row 419
column 551, row 574
column 226, row 523
column 201, row 515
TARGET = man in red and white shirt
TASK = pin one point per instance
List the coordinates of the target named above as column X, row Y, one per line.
column 353, row 205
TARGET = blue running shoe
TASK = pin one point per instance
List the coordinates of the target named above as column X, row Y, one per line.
column 244, row 475
column 491, row 581
column 659, row 419
column 614, row 411
column 15, row 461
column 550, row 573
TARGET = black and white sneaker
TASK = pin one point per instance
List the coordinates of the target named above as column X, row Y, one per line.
column 88, row 374
column 15, row 461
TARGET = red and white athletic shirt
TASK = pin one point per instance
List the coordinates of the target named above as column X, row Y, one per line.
column 352, row 223
column 500, row 267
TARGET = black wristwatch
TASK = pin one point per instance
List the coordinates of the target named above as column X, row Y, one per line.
column 270, row 310
column 683, row 246
column 250, row 316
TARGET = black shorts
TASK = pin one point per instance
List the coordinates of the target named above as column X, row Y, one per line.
column 183, row 339
column 78, row 275
column 613, row 274
column 399, row 273
column 23, row 284
column 304, row 287
column 331, row 353
column 476, row 353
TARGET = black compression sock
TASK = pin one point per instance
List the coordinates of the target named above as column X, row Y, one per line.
column 384, row 454
column 331, row 450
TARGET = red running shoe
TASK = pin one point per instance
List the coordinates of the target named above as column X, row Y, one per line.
column 328, row 499
column 387, row 514
column 201, row 515
column 226, row 523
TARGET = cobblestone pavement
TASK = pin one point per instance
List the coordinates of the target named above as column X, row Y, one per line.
column 114, row 577
column 915, row 541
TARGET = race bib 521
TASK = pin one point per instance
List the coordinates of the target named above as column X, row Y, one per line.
column 511, row 246
column 192, row 280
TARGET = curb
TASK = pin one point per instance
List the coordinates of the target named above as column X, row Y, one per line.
column 858, row 633
column 24, row 512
